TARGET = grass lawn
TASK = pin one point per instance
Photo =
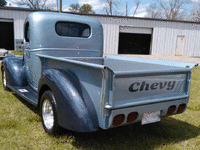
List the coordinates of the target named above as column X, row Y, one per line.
column 17, row 53
column 21, row 128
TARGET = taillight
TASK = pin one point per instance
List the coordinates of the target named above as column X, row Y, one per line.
column 181, row 108
column 118, row 119
column 171, row 110
column 132, row 117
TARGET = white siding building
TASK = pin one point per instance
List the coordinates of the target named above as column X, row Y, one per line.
column 122, row 35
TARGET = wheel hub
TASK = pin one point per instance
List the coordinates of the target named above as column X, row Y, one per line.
column 47, row 114
column 4, row 78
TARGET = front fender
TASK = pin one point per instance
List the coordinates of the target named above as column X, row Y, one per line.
column 73, row 111
column 15, row 74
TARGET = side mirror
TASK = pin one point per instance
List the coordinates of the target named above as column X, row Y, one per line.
column 26, row 45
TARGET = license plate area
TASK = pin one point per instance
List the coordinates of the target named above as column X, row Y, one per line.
column 151, row 117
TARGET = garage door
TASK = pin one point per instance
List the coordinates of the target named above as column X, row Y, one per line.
column 137, row 30
column 6, row 34
column 134, row 40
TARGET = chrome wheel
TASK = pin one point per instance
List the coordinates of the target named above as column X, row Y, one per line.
column 47, row 114
column 4, row 78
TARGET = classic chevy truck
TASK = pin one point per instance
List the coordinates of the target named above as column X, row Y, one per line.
column 63, row 73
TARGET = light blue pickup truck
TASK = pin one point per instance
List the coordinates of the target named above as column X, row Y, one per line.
column 63, row 73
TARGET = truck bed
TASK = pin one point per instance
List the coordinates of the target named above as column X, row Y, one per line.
column 128, row 70
column 122, row 63
column 114, row 82
column 136, row 78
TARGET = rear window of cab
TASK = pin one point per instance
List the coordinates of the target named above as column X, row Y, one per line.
column 73, row 29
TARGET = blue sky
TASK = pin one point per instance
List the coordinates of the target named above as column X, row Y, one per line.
column 99, row 4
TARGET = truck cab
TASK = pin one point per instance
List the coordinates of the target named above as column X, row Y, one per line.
column 60, row 35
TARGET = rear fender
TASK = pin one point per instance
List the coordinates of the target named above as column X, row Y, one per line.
column 15, row 74
column 73, row 111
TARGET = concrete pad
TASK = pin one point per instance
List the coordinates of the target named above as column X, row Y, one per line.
column 3, row 52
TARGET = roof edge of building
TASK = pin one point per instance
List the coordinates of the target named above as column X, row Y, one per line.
column 98, row 15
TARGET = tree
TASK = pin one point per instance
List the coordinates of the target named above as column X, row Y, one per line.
column 74, row 7
column 126, row 8
column 111, row 7
column 195, row 12
column 168, row 9
column 3, row 2
column 36, row 4
column 137, row 3
column 86, row 8
column 135, row 8
column 152, row 11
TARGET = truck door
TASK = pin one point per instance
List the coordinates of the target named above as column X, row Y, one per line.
column 27, row 57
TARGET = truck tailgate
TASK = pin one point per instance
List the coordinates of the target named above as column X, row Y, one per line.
column 145, row 87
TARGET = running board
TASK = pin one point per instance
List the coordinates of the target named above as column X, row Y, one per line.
column 25, row 92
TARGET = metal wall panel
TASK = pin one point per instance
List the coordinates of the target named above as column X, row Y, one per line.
column 111, row 38
column 19, row 17
column 196, row 52
column 6, row 20
column 164, row 35
column 134, row 22
column 130, row 29
column 165, row 40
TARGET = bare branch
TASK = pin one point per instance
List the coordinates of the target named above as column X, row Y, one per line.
column 170, row 9
column 152, row 11
column 195, row 12
column 137, row 3
column 33, row 4
column 111, row 7
column 44, row 4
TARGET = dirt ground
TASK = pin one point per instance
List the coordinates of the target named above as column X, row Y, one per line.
column 174, row 58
